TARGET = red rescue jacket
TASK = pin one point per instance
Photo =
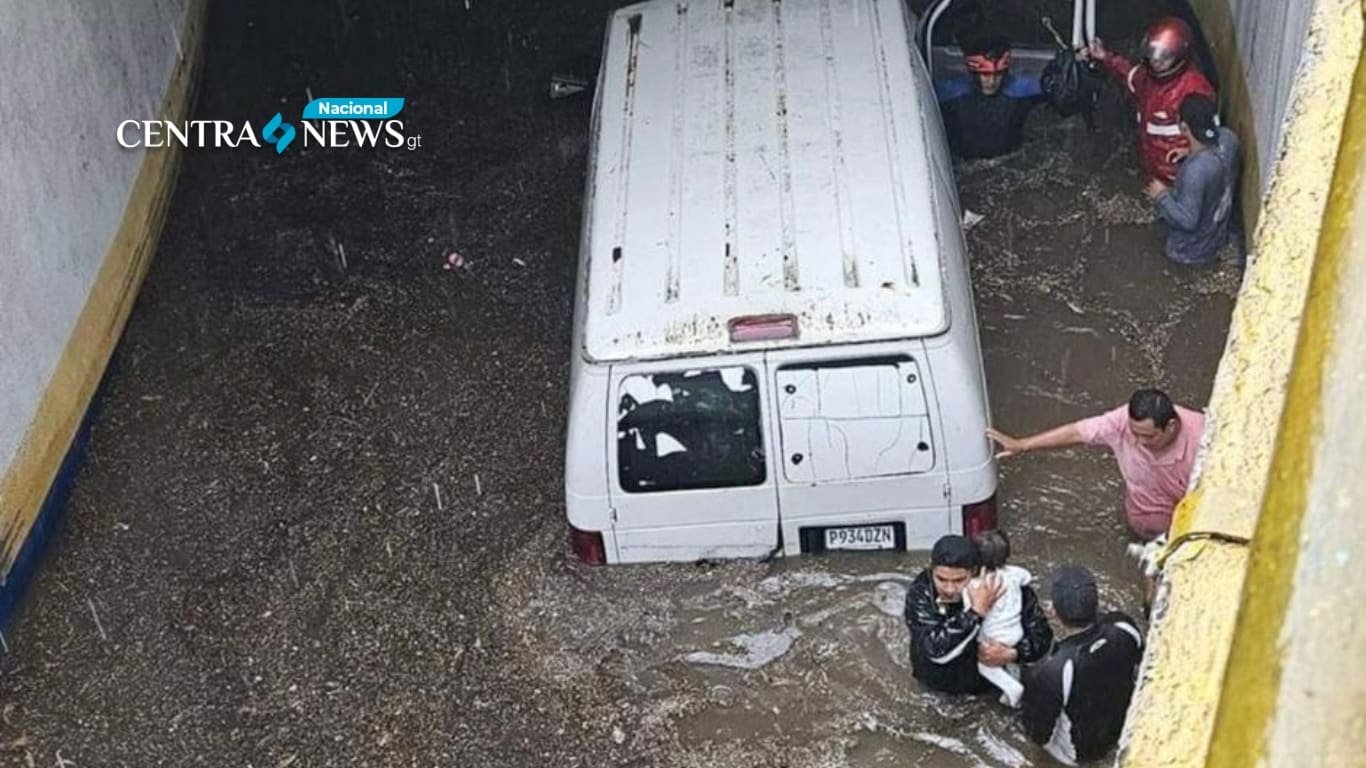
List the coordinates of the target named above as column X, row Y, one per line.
column 1159, row 111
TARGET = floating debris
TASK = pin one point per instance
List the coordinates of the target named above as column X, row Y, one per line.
column 759, row 650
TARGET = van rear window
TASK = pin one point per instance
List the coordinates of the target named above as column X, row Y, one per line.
column 689, row 430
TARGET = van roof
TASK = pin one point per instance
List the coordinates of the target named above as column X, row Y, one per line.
column 752, row 158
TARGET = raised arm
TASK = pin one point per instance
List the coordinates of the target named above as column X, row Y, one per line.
column 1119, row 68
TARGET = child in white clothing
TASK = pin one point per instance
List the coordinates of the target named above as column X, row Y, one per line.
column 1002, row 623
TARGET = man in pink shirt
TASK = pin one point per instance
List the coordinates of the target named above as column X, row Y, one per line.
column 1153, row 440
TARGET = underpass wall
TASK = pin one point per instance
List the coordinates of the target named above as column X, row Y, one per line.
column 1266, row 541
column 79, row 221
column 1258, row 47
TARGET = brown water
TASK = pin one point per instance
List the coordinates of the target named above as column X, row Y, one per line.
column 803, row 662
column 312, row 529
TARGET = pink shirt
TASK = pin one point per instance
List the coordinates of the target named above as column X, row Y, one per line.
column 1153, row 482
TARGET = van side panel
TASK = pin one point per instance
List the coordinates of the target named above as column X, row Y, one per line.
column 955, row 363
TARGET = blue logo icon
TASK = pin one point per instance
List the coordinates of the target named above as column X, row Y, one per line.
column 279, row 133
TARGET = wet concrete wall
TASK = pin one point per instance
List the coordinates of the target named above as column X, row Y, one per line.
column 1258, row 46
column 78, row 217
column 1232, row 675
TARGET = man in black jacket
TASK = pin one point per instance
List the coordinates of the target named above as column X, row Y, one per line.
column 1074, row 702
column 984, row 111
column 944, row 644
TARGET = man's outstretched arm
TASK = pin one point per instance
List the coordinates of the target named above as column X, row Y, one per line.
column 1058, row 437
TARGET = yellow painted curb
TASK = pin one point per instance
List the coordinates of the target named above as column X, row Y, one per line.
column 81, row 366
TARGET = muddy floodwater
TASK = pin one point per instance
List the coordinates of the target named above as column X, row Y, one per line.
column 321, row 522
column 803, row 662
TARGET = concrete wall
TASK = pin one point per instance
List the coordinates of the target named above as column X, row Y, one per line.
column 1240, row 669
column 1258, row 47
column 78, row 213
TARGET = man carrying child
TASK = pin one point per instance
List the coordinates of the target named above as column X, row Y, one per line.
column 947, row 644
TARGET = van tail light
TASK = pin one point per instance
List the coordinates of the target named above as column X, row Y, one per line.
column 980, row 517
column 588, row 546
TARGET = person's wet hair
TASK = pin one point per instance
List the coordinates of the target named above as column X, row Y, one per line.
column 1198, row 112
column 1152, row 404
column 994, row 548
column 954, row 551
column 1075, row 598
column 991, row 44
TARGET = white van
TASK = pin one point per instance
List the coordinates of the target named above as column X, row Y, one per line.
column 775, row 348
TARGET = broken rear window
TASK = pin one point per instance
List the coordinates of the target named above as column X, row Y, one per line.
column 688, row 430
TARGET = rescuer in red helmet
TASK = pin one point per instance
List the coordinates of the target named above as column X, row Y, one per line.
column 1159, row 85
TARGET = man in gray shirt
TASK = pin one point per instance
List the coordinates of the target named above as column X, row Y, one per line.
column 1197, row 209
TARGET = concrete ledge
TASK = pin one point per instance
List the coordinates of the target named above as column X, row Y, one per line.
column 27, row 488
column 1182, row 682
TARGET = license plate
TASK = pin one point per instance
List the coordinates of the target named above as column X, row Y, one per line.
column 862, row 537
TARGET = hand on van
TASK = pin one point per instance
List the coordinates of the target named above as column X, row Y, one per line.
column 1009, row 445
column 1058, row 437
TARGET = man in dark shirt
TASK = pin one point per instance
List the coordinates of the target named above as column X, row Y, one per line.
column 984, row 111
column 945, row 648
column 1074, row 701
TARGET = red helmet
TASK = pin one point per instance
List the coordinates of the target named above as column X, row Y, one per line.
column 1166, row 47
column 984, row 64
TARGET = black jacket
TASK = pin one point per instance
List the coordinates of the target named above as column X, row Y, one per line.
column 944, row 638
column 1074, row 702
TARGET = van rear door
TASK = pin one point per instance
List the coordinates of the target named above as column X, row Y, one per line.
column 690, row 473
column 862, row 465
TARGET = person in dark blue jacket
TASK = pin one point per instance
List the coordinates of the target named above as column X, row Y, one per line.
column 985, row 110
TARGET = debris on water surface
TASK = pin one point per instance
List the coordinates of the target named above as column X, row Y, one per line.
column 890, row 598
column 759, row 650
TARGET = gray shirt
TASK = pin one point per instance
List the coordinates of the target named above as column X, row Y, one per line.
column 1198, row 207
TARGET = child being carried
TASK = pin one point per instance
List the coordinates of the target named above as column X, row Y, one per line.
column 1002, row 623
